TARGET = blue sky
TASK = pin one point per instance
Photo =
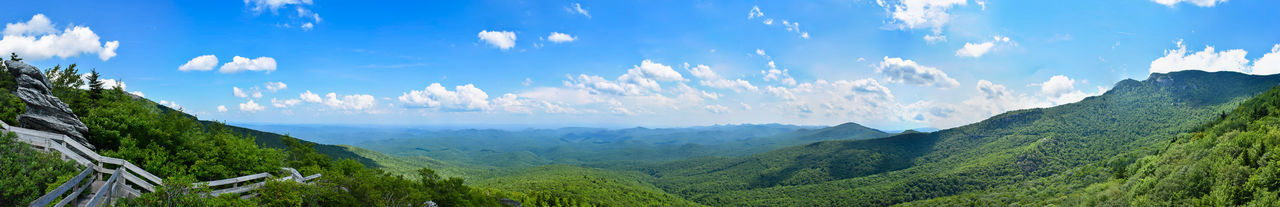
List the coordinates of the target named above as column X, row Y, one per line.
column 885, row 64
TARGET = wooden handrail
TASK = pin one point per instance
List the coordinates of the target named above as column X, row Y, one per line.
column 124, row 171
column 108, row 188
column 62, row 189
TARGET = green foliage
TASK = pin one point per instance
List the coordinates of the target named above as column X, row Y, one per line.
column 64, row 78
column 10, row 107
column 28, row 173
column 1012, row 158
column 563, row 185
column 172, row 144
column 177, row 191
column 1234, row 161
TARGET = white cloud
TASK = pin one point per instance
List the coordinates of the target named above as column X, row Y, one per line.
column 38, row 25
column 260, row 5
column 1269, row 63
column 527, row 82
column 305, row 17
column 641, row 79
column 992, row 90
column 862, row 100
column 201, row 63
column 310, row 97
column 791, row 26
column 512, row 103
column 774, row 74
column 977, row 50
column 138, row 93
column 502, row 39
column 251, row 106
column 246, row 93
column 577, row 8
column 170, row 104
column 222, row 108
column 711, row 79
column 719, row 109
column 915, row 14
column 462, row 98
column 1207, row 60
column 285, row 103
column 1200, row 3
column 355, row 102
column 900, row 70
column 558, row 37
column 37, row 39
column 935, row 38
column 1057, row 85
column 276, row 86
column 239, row 64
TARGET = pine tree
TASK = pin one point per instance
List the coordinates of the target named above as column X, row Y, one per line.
column 95, row 85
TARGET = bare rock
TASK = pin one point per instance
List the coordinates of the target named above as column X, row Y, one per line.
column 45, row 112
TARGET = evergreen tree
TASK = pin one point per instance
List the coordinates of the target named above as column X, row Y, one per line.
column 95, row 85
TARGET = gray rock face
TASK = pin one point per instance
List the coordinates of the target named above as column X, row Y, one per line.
column 45, row 112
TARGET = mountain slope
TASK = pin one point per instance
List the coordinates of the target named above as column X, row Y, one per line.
column 1235, row 161
column 1008, row 148
column 272, row 140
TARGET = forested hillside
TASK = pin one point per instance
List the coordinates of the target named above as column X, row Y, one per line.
column 1011, row 148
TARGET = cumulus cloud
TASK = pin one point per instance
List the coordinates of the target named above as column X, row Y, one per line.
column 170, row 104
column 1057, row 85
column 640, row 79
column 1269, row 63
column 222, row 108
column 38, row 25
column 709, row 78
column 560, row 37
column 1200, row 3
column 977, row 50
column 355, row 102
column 992, row 90
column 462, row 98
column 899, row 70
column 862, row 100
column 790, row 26
column 310, row 97
column 502, row 39
column 246, row 93
column 201, row 63
column 239, row 64
column 915, row 14
column 37, row 39
column 276, row 86
column 1207, row 60
column 251, row 106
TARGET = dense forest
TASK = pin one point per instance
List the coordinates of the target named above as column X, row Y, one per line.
column 183, row 150
column 1187, row 137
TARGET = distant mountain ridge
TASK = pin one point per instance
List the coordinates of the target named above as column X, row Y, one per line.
column 1005, row 149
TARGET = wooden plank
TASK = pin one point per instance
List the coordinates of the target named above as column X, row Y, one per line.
column 62, row 189
column 102, row 191
column 309, row 177
column 237, row 190
column 74, row 195
column 129, row 177
column 234, row 180
column 135, row 169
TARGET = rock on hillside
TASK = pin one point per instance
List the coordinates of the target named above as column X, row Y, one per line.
column 45, row 112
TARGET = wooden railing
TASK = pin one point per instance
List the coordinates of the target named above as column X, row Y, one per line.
column 75, row 182
column 119, row 184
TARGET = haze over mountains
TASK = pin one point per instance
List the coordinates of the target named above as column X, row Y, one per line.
column 851, row 165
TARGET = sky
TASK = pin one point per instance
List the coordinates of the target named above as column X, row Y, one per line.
column 884, row 64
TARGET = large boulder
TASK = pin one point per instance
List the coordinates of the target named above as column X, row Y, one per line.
column 45, row 112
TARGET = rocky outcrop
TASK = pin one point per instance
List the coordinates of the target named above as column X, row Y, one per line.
column 45, row 112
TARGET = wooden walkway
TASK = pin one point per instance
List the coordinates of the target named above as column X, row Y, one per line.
column 105, row 179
